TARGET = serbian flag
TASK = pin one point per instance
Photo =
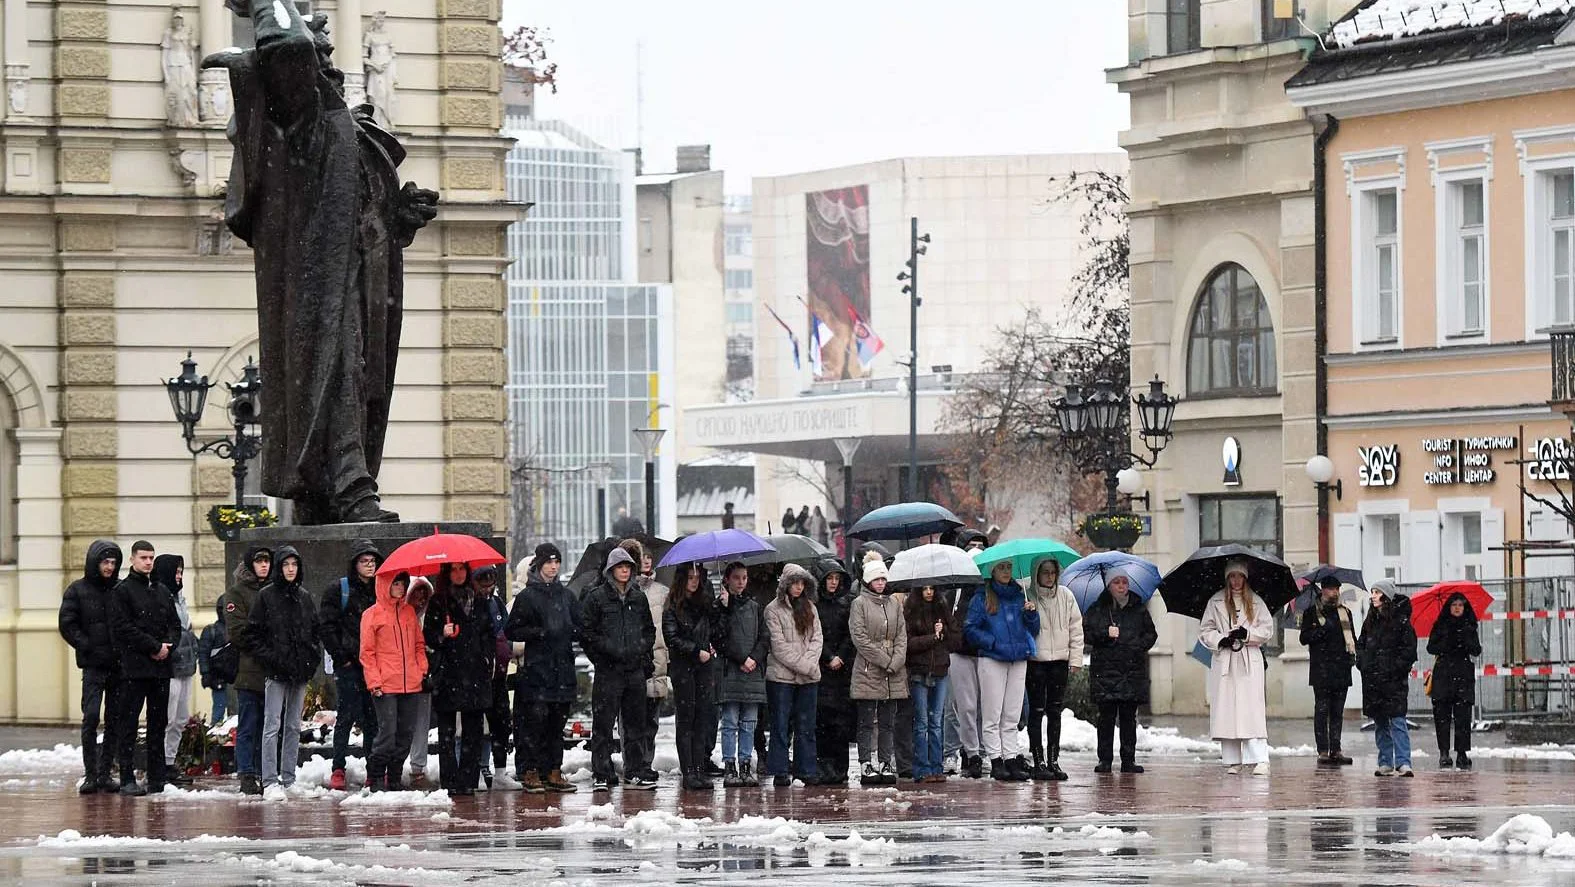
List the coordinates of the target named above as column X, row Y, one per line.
column 797, row 361
column 864, row 339
column 819, row 335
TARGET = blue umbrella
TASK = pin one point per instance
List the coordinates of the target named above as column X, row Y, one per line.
column 905, row 520
column 1086, row 578
column 716, row 545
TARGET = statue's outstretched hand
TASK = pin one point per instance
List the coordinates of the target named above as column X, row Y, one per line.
column 416, row 207
column 224, row 58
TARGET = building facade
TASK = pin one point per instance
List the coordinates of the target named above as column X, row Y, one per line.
column 589, row 348
column 116, row 263
column 1223, row 269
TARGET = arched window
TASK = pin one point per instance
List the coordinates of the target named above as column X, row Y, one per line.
column 1231, row 345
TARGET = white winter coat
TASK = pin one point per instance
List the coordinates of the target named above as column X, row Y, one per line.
column 1060, row 625
column 1238, row 710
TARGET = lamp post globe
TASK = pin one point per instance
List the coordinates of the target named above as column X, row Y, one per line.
column 1129, row 481
column 1320, row 469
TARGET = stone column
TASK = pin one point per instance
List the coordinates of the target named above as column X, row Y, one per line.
column 43, row 682
column 346, row 34
column 14, row 25
column 215, row 24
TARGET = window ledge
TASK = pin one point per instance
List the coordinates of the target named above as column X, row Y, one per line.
column 1209, row 409
column 1376, row 344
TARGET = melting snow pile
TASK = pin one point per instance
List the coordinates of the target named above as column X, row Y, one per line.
column 648, row 829
column 1388, row 19
column 73, row 839
column 1079, row 735
column 374, row 800
column 1524, row 835
column 1547, row 751
column 62, row 759
column 1225, row 865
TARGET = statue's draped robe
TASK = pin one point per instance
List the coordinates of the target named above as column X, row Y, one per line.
column 312, row 191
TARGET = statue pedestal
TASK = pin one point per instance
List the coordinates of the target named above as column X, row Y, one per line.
column 325, row 550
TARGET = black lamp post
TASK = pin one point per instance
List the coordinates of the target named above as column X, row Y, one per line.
column 189, row 396
column 917, row 246
column 848, row 447
column 1091, row 419
column 649, row 439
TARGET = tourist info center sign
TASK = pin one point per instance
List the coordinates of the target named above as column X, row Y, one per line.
column 1469, row 461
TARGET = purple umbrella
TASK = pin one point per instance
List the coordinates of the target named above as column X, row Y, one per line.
column 716, row 545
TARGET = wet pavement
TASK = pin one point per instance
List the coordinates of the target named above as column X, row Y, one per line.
column 1185, row 821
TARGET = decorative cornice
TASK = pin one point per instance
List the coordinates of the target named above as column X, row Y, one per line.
column 1443, row 148
column 1447, row 84
column 1352, row 159
column 1526, row 138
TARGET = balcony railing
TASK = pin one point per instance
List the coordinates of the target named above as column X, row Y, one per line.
column 1562, row 341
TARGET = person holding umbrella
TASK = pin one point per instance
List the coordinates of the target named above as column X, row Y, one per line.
column 1384, row 653
column 932, row 635
column 1120, row 632
column 1327, row 633
column 1058, row 650
column 1236, row 625
column 459, row 632
column 742, row 639
column 687, row 627
column 1454, row 642
column 1003, row 624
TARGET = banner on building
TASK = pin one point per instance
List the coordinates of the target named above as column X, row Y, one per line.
column 837, row 230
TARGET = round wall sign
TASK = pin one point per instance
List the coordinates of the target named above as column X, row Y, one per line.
column 1230, row 454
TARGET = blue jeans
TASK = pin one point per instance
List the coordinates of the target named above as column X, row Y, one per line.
column 355, row 707
column 929, row 715
column 792, row 715
column 221, row 704
column 248, row 732
column 738, row 730
column 1394, row 741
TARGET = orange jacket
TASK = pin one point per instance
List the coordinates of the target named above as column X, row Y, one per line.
column 393, row 650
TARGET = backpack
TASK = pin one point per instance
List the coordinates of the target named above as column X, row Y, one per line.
column 224, row 664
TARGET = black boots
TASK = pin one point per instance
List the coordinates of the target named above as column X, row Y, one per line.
column 696, row 780
column 973, row 767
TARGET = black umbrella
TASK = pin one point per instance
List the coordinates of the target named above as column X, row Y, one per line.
column 590, row 564
column 866, row 548
column 1346, row 575
column 905, row 520
column 791, row 549
column 1188, row 587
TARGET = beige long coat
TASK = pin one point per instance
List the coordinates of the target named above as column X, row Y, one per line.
column 1237, row 709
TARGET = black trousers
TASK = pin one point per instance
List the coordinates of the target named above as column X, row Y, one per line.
column 694, row 699
column 617, row 696
column 1046, row 683
column 1328, row 718
column 500, row 722
column 396, row 724
column 101, row 688
column 902, row 742
column 154, row 693
column 1110, row 713
column 836, row 727
column 460, row 755
column 538, row 736
column 1452, row 715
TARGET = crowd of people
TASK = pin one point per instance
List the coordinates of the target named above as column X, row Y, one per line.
column 922, row 682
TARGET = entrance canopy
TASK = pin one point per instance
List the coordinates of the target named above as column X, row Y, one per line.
column 807, row 427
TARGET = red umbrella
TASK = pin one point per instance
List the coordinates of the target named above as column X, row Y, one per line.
column 1426, row 606
column 429, row 554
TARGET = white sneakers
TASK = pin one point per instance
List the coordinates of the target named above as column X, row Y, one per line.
column 1261, row 770
column 1233, row 769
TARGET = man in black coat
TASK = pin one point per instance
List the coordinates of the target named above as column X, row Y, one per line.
column 250, row 575
column 147, row 628
column 283, row 631
column 618, row 636
column 339, row 615
column 85, row 620
column 1329, row 634
column 546, row 619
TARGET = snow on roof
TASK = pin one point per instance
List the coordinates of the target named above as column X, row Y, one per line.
column 1389, row 19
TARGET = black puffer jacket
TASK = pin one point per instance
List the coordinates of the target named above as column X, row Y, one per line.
column 461, row 666
column 836, row 641
column 618, row 633
column 1118, row 667
column 144, row 619
column 86, row 613
column 689, row 631
column 741, row 635
column 238, row 604
column 546, row 619
column 1454, row 643
column 1385, row 653
column 283, row 626
column 341, row 625
column 1328, row 662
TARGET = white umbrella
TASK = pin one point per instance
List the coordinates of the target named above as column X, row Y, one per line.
column 933, row 565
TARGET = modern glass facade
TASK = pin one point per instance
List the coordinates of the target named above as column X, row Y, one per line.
column 584, row 362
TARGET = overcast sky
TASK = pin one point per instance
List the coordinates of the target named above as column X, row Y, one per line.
column 779, row 88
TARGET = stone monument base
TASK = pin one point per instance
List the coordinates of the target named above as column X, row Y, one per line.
column 325, row 550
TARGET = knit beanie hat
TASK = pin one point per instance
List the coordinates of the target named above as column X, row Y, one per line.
column 875, row 569
column 546, row 551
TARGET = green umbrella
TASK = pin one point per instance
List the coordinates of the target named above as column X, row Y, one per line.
column 1023, row 552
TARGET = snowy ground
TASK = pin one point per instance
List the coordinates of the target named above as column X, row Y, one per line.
column 1183, row 822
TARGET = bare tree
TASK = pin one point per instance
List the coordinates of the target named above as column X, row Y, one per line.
column 526, row 48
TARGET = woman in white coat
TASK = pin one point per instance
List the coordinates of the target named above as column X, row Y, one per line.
column 1236, row 625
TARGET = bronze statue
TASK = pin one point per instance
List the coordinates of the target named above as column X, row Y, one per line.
column 314, row 190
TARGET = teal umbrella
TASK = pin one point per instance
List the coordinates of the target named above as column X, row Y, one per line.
column 1023, row 553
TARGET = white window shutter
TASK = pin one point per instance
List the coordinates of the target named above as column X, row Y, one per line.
column 1348, row 542
column 1420, row 547
column 1370, row 542
column 1492, row 538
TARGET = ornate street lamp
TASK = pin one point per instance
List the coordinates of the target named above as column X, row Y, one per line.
column 1092, row 421
column 189, row 396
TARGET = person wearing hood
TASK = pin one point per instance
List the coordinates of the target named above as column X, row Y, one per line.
column 687, row 624
column 743, row 642
column 618, row 636
column 880, row 674
column 419, row 596
column 249, row 577
column 793, row 675
column 1453, row 644
column 1119, row 631
column 1384, row 655
column 1058, row 651
column 1003, row 624
column 147, row 631
column 1328, row 634
column 546, row 621
column 169, row 571
column 459, row 633
column 86, row 623
column 288, row 645
column 500, row 718
column 392, row 655
column 213, row 639
column 657, row 685
column 933, row 633
column 836, row 721
column 1236, row 624
column 340, row 609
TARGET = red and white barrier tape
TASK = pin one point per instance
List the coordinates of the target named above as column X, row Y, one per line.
column 1513, row 671
column 1529, row 614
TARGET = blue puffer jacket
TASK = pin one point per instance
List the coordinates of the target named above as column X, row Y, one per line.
column 1008, row 635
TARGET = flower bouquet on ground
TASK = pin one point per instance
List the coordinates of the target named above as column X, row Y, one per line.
column 191, row 757
column 228, row 521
